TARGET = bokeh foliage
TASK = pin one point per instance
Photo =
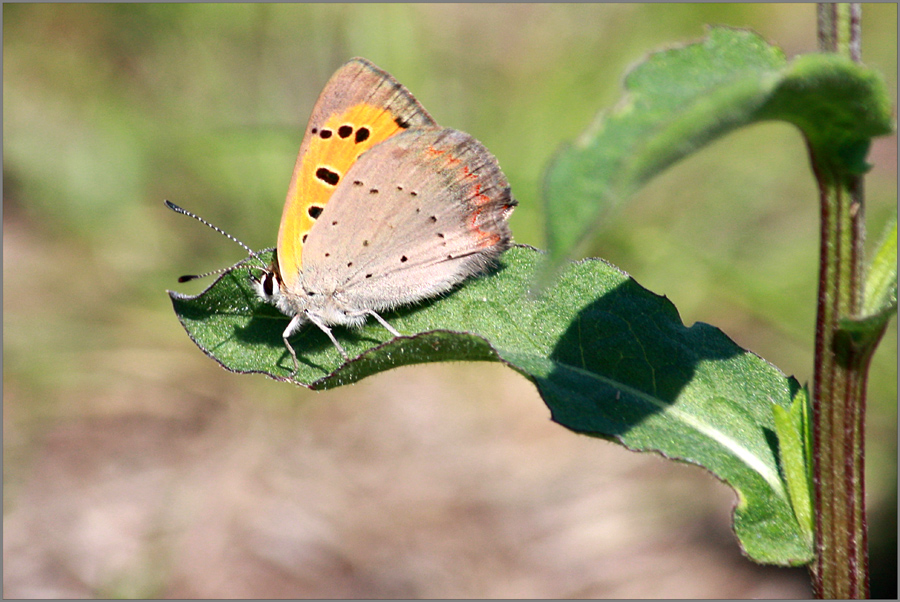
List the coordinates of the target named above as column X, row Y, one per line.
column 108, row 109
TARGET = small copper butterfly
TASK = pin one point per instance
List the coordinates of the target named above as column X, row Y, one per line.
column 385, row 208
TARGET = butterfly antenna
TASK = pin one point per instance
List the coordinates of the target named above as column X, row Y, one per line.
column 186, row 278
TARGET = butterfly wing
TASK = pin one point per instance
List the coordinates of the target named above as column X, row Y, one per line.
column 360, row 107
column 415, row 215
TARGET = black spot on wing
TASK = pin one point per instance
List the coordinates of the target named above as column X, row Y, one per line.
column 329, row 177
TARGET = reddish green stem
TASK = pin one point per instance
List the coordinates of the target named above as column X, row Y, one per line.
column 840, row 568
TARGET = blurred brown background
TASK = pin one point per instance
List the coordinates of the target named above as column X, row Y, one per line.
column 135, row 467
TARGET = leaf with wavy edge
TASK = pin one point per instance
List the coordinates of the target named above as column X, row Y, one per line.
column 609, row 358
column 681, row 99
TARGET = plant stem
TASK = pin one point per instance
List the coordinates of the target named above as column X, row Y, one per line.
column 840, row 568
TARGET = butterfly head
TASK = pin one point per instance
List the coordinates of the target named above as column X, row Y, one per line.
column 291, row 301
column 270, row 287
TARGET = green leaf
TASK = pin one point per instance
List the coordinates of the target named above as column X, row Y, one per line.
column 795, row 445
column 881, row 277
column 681, row 99
column 609, row 358
column 880, row 297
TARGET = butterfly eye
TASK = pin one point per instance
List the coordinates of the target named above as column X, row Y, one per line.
column 266, row 285
column 269, row 284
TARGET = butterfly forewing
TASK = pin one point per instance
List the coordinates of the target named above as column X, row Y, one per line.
column 360, row 107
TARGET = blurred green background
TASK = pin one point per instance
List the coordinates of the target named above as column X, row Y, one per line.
column 134, row 466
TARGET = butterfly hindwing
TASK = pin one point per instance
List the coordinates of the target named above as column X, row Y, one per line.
column 414, row 216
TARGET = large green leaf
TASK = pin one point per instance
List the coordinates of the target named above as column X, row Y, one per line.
column 609, row 358
column 681, row 99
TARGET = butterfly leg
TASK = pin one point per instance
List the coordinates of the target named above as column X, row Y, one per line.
column 384, row 323
column 293, row 356
column 293, row 325
column 327, row 331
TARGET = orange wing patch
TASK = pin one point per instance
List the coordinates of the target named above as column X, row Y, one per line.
column 333, row 148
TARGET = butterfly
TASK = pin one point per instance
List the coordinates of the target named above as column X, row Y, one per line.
column 385, row 208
